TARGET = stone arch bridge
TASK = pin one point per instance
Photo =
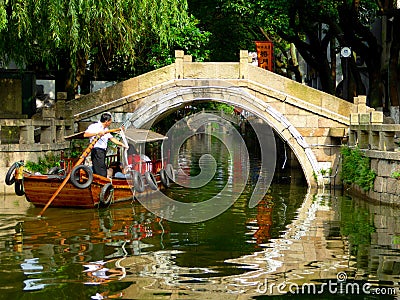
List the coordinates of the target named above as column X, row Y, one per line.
column 311, row 122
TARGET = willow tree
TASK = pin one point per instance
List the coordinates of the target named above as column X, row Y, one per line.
column 66, row 34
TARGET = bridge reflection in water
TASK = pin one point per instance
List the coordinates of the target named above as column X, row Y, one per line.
column 129, row 252
column 293, row 237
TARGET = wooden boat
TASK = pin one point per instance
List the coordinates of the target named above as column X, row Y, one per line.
column 101, row 192
column 83, row 189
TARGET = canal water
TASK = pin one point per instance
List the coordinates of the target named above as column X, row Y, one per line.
column 295, row 243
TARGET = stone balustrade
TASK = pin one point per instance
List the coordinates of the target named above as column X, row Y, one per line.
column 30, row 139
column 372, row 134
column 26, row 133
column 369, row 132
column 45, row 132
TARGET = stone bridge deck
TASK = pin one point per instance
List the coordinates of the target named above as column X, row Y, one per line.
column 309, row 121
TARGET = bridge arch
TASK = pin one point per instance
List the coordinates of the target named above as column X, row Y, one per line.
column 160, row 104
column 311, row 122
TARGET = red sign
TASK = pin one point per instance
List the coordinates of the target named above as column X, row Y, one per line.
column 265, row 51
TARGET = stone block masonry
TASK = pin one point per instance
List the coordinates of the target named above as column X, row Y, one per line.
column 377, row 140
column 386, row 188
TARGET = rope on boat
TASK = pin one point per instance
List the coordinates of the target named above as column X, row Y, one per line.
column 125, row 151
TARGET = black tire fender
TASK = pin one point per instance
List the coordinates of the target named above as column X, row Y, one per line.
column 75, row 176
column 151, row 180
column 54, row 171
column 106, row 194
column 10, row 176
column 170, row 172
column 19, row 188
column 138, row 184
column 164, row 178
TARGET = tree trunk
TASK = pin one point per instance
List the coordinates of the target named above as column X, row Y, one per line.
column 316, row 57
column 325, row 75
column 295, row 63
column 80, row 69
column 375, row 88
column 69, row 83
column 332, row 46
column 74, row 77
column 358, row 87
column 393, row 64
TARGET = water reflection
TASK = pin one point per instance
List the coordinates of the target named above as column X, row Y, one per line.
column 294, row 236
column 127, row 251
column 373, row 239
column 263, row 222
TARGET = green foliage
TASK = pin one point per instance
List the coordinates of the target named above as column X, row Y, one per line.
column 76, row 148
column 44, row 164
column 318, row 27
column 215, row 106
column 326, row 172
column 356, row 224
column 356, row 168
column 187, row 37
column 396, row 240
column 168, row 121
column 3, row 18
column 66, row 34
column 231, row 30
column 395, row 175
column 9, row 134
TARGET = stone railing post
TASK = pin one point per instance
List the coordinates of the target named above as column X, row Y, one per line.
column 60, row 109
column 387, row 138
column 363, row 132
column 60, row 133
column 48, row 132
column 187, row 58
column 374, row 139
column 376, row 121
column 244, row 64
column 363, row 139
column 27, row 133
column 179, row 55
column 353, row 133
column 361, row 104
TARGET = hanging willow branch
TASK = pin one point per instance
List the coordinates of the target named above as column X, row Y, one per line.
column 39, row 30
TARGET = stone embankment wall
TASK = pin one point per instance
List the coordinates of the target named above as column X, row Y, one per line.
column 377, row 139
column 386, row 188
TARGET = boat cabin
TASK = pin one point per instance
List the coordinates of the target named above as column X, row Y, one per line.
column 144, row 152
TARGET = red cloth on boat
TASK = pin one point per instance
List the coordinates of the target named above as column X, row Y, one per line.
column 140, row 163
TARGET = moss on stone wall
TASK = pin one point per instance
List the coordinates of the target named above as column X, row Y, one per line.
column 356, row 168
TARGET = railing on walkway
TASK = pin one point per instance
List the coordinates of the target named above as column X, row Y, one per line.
column 368, row 132
column 233, row 117
column 20, row 134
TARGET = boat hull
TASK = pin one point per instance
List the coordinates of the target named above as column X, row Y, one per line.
column 40, row 188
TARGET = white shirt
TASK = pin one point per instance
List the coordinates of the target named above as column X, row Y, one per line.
column 96, row 128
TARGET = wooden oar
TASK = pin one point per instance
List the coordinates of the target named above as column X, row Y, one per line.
column 80, row 160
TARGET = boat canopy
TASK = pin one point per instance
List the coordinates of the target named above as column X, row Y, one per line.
column 135, row 135
column 139, row 136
